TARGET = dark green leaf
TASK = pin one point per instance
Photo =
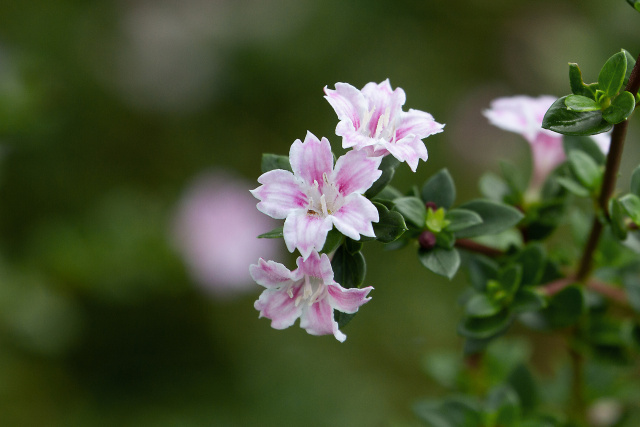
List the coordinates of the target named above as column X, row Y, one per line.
column 275, row 161
column 461, row 219
column 496, row 217
column 348, row 269
column 343, row 318
column 631, row 62
column 612, row 74
column 578, row 87
column 585, row 168
column 352, row 246
column 621, row 108
column 412, row 209
column 493, row 187
column 481, row 269
column 509, row 279
column 572, row 186
column 273, row 234
column 631, row 204
column 563, row 310
column 635, row 181
column 580, row 103
column 388, row 167
column 390, row 226
column 504, row 402
column 562, row 120
column 522, row 382
column 527, row 299
column 514, row 177
column 532, row 259
column 439, row 189
column 616, row 217
column 584, row 144
column 444, row 262
column 445, row 239
column 480, row 305
column 334, row 239
column 485, row 327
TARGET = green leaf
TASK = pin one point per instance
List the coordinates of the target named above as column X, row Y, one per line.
column 485, row 327
column 275, row 161
column 562, row 120
column 349, row 270
column 612, row 74
column 412, row 209
column 334, row 239
column 496, row 217
column 581, row 103
column 563, row 310
column 577, row 84
column 440, row 189
column 493, row 187
column 352, row 246
column 635, row 181
column 586, row 145
column 504, row 402
column 621, row 108
column 388, row 167
column 514, row 177
column 273, row 234
column 631, row 204
column 459, row 219
column 616, row 217
column 343, row 318
column 631, row 62
column 572, row 186
column 585, row 168
column 444, row 262
column 509, row 279
column 390, row 226
column 480, row 305
column 532, row 259
column 522, row 382
column 481, row 269
column 527, row 299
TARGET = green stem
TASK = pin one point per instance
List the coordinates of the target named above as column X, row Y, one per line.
column 609, row 180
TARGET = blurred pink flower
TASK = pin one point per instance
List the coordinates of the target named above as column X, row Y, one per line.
column 215, row 229
column 523, row 114
column 372, row 120
column 308, row 292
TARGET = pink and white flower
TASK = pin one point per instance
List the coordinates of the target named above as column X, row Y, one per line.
column 523, row 114
column 317, row 196
column 372, row 120
column 309, row 293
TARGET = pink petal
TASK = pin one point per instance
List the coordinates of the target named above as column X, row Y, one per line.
column 316, row 266
column 520, row 114
column 347, row 300
column 279, row 193
column 278, row 306
column 355, row 216
column 311, row 158
column 305, row 232
column 270, row 274
column 410, row 150
column 355, row 172
column 348, row 103
column 318, row 320
column 382, row 99
column 417, row 123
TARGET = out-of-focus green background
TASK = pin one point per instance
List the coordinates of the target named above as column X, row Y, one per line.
column 110, row 109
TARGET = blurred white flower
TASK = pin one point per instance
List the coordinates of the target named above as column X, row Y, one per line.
column 215, row 229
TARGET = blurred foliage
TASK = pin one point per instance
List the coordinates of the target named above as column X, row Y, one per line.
column 108, row 109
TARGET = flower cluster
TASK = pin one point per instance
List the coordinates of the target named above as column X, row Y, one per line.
column 316, row 195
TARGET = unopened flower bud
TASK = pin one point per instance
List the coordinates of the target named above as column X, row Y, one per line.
column 431, row 205
column 427, row 240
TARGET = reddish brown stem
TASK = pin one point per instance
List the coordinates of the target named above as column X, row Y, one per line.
column 472, row 246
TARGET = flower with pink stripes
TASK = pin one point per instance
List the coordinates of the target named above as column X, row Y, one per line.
column 372, row 120
column 318, row 196
column 308, row 292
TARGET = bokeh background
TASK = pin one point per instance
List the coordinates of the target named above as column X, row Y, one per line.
column 130, row 132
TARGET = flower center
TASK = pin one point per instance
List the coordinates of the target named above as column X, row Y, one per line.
column 325, row 200
column 313, row 290
column 379, row 125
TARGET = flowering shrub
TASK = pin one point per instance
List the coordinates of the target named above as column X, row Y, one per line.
column 591, row 300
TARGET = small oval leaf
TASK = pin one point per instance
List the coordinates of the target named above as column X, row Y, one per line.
column 562, row 120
